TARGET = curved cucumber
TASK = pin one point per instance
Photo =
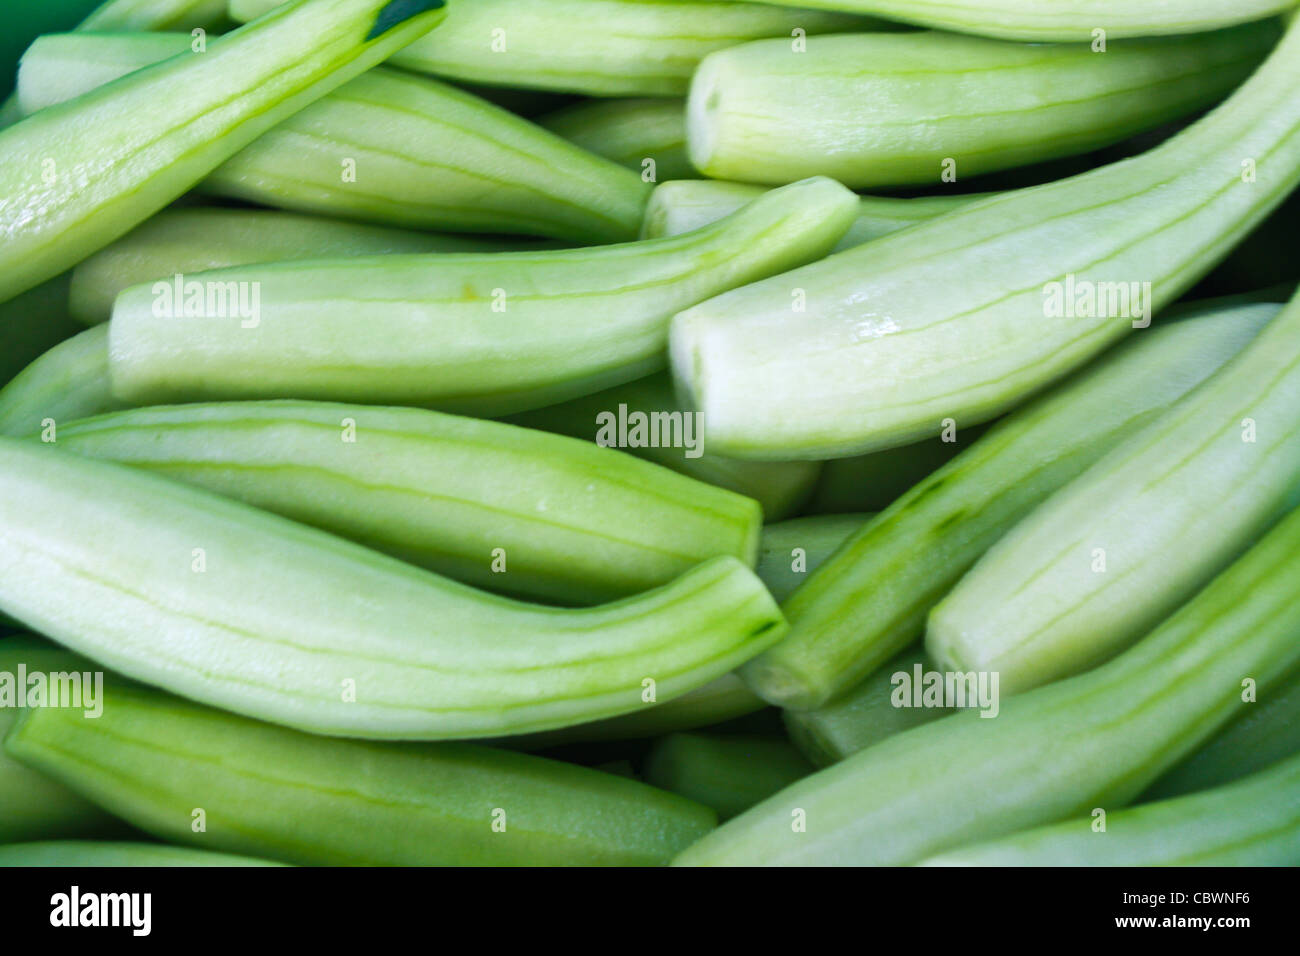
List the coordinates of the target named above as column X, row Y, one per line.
column 891, row 109
column 870, row 600
column 195, row 240
column 486, row 334
column 780, row 487
column 791, row 550
column 239, row 608
column 1073, row 20
column 156, row 15
column 75, row 177
column 728, row 773
column 154, row 758
column 647, row 135
column 1261, row 734
column 597, row 47
column 864, row 716
column 781, row 570
column 1097, row 740
column 33, row 806
column 684, row 205
column 497, row 506
column 68, row 382
column 386, row 147
column 1255, row 822
column 967, row 315
column 1129, row 540
column 79, row 853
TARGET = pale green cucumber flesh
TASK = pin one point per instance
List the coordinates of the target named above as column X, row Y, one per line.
column 596, row 47
column 1253, row 822
column 1265, row 730
column 153, row 759
column 891, row 109
column 245, row 610
column 870, row 600
column 1069, row 20
column 75, row 177
column 185, row 241
column 482, row 334
column 967, row 315
column 1125, row 543
column 1057, row 752
column 780, row 487
column 386, row 147
column 501, row 507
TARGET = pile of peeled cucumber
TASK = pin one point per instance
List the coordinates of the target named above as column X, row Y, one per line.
column 644, row 432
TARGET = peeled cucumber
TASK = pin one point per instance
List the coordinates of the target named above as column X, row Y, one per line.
column 1128, row 541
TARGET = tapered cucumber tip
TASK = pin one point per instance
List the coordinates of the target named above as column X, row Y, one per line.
column 399, row 11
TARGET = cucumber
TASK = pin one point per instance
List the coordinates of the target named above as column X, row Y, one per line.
column 203, row 238
column 869, row 601
column 82, row 853
column 727, row 697
column 781, row 487
column 680, row 206
column 965, row 316
column 1260, row 735
column 32, row 805
column 246, row 610
column 895, row 109
column 864, row 716
column 791, row 550
column 68, row 382
column 387, row 147
column 1054, row 753
column 1128, row 541
column 572, row 523
column 596, row 47
column 729, row 773
column 1254, row 822
column 277, row 794
column 75, row 177
column 483, row 334
column 1073, row 20
column 646, row 134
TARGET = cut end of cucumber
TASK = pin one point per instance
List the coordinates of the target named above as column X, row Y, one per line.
column 703, row 112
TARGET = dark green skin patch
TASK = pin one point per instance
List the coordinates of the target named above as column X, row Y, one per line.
column 400, row 11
